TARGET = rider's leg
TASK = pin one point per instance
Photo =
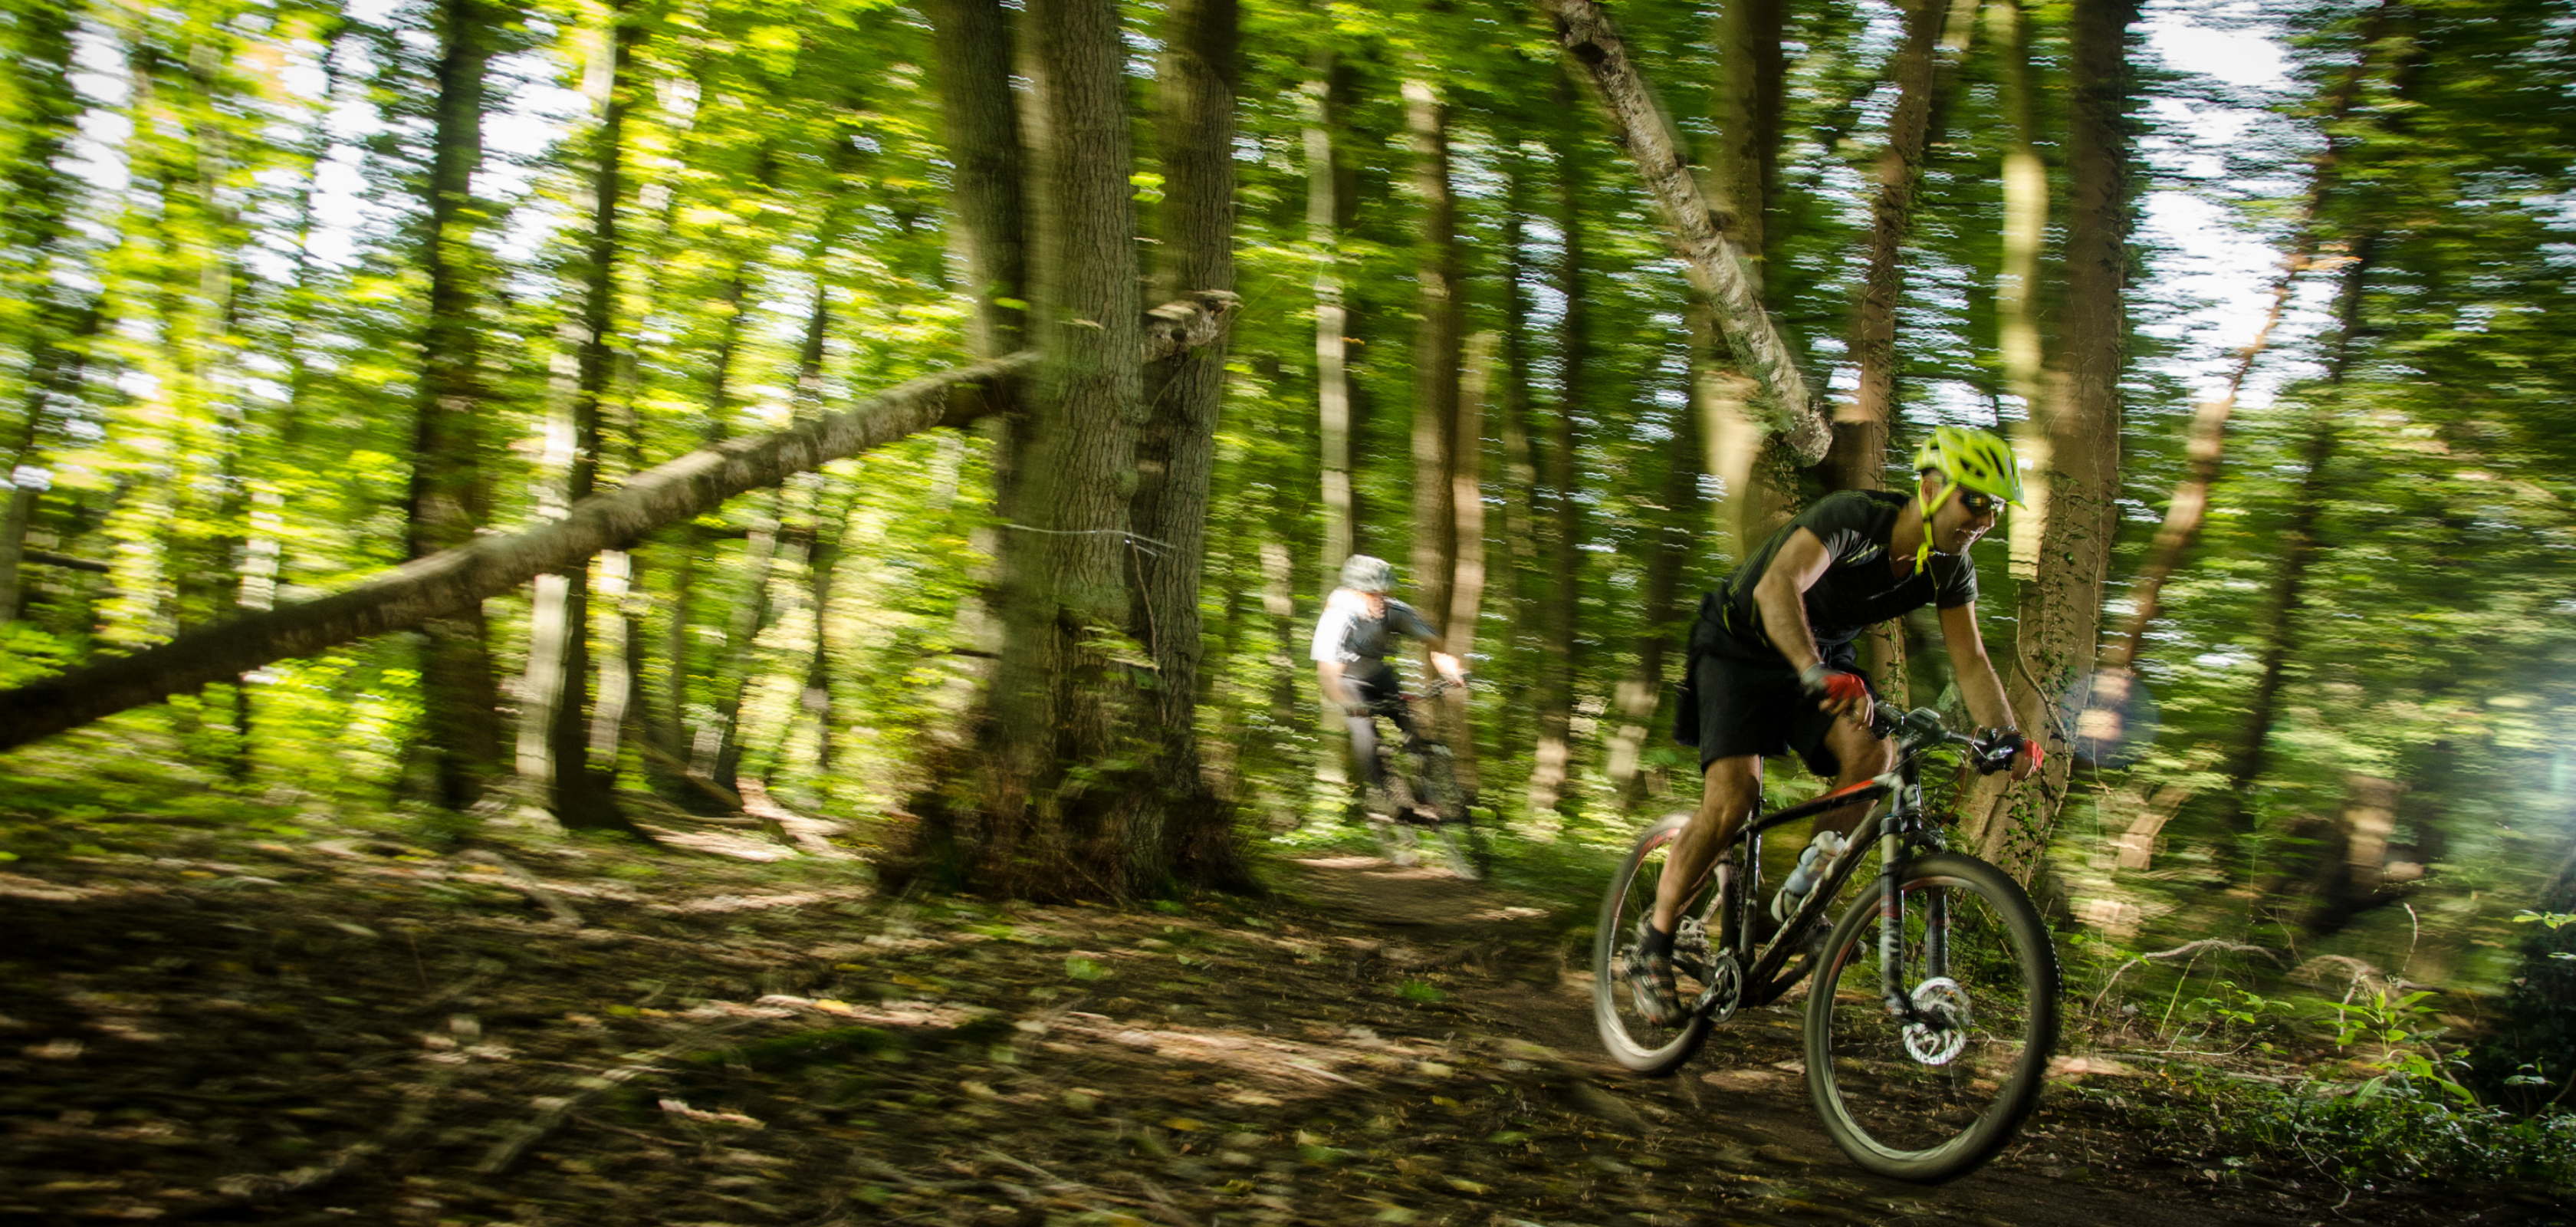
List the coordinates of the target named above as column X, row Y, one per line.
column 1728, row 789
column 1858, row 755
column 1364, row 748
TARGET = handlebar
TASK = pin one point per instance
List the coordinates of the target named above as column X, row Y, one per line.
column 1921, row 729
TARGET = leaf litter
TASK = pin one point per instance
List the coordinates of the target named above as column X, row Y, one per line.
column 554, row 1032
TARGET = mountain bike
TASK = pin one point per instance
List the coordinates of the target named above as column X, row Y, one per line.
column 1427, row 808
column 1933, row 1010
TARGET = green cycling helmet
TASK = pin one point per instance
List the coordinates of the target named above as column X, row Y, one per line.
column 1972, row 458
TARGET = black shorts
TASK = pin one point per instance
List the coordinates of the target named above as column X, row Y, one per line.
column 1740, row 698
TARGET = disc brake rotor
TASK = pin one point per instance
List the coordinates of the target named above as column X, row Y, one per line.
column 1940, row 1030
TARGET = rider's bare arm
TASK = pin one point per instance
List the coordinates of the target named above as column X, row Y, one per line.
column 1978, row 684
column 1781, row 596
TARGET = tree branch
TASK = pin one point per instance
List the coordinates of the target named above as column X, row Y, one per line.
column 1714, row 266
column 457, row 579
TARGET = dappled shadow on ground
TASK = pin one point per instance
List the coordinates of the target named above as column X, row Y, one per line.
column 316, row 1032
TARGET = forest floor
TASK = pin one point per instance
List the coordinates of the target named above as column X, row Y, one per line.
column 298, row 1028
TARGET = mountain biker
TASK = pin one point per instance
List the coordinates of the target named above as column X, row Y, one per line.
column 1350, row 658
column 1773, row 666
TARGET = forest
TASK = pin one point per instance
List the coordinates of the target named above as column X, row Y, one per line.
column 816, row 482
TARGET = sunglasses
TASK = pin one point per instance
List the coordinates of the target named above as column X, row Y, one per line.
column 1980, row 505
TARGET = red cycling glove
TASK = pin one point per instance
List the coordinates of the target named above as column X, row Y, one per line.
column 1832, row 685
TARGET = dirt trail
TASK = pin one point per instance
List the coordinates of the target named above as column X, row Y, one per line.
column 1746, row 1092
column 352, row 1029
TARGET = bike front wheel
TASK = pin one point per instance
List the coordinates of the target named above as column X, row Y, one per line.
column 1933, row 1093
column 1453, row 833
column 1628, row 1033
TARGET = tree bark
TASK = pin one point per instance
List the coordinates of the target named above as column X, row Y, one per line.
column 1327, row 210
column 2061, row 611
column 1055, row 803
column 1198, row 80
column 1743, row 177
column 2017, row 334
column 459, row 730
column 983, row 127
column 1714, row 262
column 584, row 798
column 1436, row 353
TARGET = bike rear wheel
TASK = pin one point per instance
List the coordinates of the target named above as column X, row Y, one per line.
column 1933, row 1099
column 1453, row 838
column 1628, row 1034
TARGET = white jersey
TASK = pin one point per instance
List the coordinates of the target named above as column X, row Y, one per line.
column 1348, row 635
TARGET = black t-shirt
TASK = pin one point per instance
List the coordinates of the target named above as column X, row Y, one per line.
column 1859, row 590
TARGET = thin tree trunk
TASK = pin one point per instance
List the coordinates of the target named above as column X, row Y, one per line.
column 1936, row 33
column 1714, row 261
column 1326, row 213
column 584, row 799
column 2277, row 630
column 1520, row 466
column 459, row 730
column 1436, row 353
column 1467, row 585
column 1666, row 622
column 1198, row 79
column 2061, row 611
column 1552, row 769
column 2017, row 332
column 55, row 321
column 1743, row 178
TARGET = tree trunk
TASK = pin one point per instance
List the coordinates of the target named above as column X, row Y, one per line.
column 1552, row 770
column 584, row 798
column 1859, row 457
column 983, row 127
column 2277, row 628
column 2061, row 611
column 1467, row 584
column 1436, row 354
column 1520, row 465
column 1667, row 620
column 1714, row 262
column 1054, row 805
column 1327, row 213
column 1198, row 79
column 51, row 322
column 2025, row 230
column 1743, row 177
column 459, row 730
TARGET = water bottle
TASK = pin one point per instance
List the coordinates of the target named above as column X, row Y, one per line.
column 1812, row 864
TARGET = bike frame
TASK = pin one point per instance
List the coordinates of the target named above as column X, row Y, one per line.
column 1898, row 832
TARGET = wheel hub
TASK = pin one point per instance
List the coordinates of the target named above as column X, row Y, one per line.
column 1938, row 1031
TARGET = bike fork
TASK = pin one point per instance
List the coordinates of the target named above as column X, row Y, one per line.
column 1891, row 927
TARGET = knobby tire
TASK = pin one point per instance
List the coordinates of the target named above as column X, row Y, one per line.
column 1899, row 1114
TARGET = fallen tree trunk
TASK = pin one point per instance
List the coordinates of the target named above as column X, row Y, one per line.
column 1712, row 262
column 453, row 580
